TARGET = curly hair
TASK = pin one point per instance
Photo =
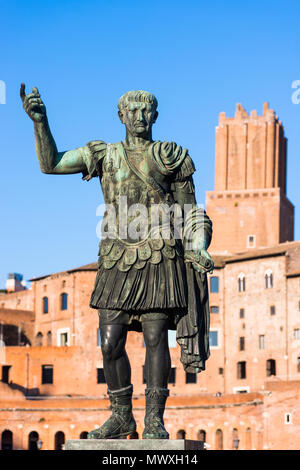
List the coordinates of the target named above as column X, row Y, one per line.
column 139, row 96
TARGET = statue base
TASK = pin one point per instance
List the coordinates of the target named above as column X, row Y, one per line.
column 133, row 444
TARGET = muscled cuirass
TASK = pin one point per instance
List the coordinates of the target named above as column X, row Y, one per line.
column 139, row 196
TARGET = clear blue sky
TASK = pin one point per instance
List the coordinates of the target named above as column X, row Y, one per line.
column 198, row 58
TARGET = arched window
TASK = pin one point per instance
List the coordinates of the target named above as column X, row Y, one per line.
column 242, row 282
column 202, row 435
column 59, row 440
column 271, row 367
column 83, row 435
column 64, row 301
column 45, row 304
column 180, row 434
column 49, row 338
column 235, row 439
column 248, row 439
column 33, row 441
column 39, row 339
column 219, row 439
column 7, row 440
column 268, row 279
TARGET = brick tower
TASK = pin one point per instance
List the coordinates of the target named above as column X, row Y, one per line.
column 249, row 207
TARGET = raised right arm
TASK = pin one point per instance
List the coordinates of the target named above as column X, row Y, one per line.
column 51, row 161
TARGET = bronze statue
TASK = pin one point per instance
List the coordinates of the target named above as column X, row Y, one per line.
column 150, row 283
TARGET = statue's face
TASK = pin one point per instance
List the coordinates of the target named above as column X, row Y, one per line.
column 138, row 118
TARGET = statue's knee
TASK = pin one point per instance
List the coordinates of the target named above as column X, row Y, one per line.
column 153, row 337
column 107, row 350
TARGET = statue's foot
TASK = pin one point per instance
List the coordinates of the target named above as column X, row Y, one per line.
column 155, row 430
column 116, row 427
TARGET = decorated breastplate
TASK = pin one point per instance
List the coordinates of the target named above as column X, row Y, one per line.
column 135, row 237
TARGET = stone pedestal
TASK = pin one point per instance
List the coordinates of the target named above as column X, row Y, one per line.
column 133, row 444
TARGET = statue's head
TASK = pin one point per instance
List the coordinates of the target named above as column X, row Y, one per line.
column 137, row 110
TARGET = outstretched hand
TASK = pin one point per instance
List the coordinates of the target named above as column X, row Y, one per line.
column 33, row 104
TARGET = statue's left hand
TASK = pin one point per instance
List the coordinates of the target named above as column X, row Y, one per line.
column 206, row 257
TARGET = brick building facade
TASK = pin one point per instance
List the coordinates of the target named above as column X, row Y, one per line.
column 53, row 386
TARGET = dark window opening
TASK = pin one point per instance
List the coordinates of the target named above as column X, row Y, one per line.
column 271, row 367
column 242, row 343
column 172, row 376
column 241, row 370
column 45, row 305
column 64, row 301
column 272, row 310
column 33, row 439
column 242, row 313
column 59, row 440
column 100, row 376
column 190, row 378
column 180, row 434
column 5, row 374
column 7, row 440
column 47, row 374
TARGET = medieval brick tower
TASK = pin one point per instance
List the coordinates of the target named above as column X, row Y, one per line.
column 249, row 207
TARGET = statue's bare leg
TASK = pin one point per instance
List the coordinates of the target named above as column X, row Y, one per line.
column 116, row 364
column 118, row 376
column 157, row 370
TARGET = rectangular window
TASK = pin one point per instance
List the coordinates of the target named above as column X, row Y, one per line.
column 100, row 376
column 242, row 343
column 214, row 309
column 213, row 338
column 190, row 378
column 297, row 333
column 251, row 241
column 45, row 304
column 64, row 339
column 214, row 284
column 5, row 374
column 241, row 370
column 242, row 313
column 64, row 301
column 261, row 341
column 272, row 310
column 298, row 364
column 221, row 371
column 98, row 337
column 172, row 338
column 47, row 374
column 172, row 376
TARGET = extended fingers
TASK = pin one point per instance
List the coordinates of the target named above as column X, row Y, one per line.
column 22, row 91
